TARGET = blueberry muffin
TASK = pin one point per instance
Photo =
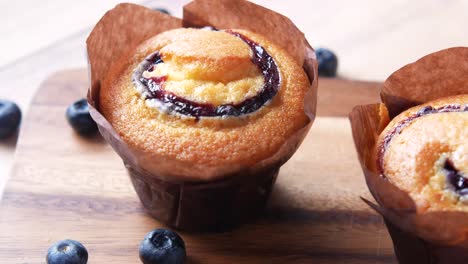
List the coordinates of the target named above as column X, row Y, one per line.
column 421, row 180
column 424, row 152
column 204, row 119
column 413, row 151
column 213, row 102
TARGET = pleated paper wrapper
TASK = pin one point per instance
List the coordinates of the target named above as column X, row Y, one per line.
column 240, row 195
column 431, row 237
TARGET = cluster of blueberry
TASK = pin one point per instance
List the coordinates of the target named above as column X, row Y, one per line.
column 160, row 246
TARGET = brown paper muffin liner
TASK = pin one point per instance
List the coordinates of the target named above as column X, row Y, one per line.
column 214, row 206
column 430, row 237
column 238, row 196
column 411, row 249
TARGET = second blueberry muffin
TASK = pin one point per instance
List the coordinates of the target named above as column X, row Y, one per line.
column 424, row 152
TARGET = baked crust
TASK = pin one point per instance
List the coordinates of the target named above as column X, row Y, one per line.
column 204, row 145
column 414, row 159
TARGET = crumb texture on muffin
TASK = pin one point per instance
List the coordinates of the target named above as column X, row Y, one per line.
column 206, row 67
column 424, row 151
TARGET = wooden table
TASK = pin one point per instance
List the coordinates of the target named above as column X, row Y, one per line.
column 371, row 38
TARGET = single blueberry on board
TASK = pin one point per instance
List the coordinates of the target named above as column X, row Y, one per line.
column 327, row 62
column 162, row 246
column 79, row 118
column 67, row 252
column 10, row 118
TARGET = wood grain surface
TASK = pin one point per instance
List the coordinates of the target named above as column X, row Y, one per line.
column 65, row 186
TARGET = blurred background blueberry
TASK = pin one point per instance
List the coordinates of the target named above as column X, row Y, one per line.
column 79, row 118
column 327, row 62
column 10, row 118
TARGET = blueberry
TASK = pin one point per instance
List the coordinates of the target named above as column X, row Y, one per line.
column 162, row 246
column 162, row 10
column 67, row 252
column 79, row 118
column 327, row 62
column 10, row 118
column 455, row 177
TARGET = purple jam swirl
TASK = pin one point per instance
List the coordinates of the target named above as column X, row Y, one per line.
column 153, row 88
column 404, row 123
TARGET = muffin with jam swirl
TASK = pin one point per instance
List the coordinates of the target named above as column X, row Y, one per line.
column 210, row 111
column 211, row 100
column 413, row 150
column 424, row 152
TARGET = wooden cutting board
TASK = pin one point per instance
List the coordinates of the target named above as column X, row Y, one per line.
column 65, row 186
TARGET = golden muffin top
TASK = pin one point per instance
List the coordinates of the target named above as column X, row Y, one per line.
column 207, row 66
column 209, row 100
column 207, row 73
column 424, row 151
